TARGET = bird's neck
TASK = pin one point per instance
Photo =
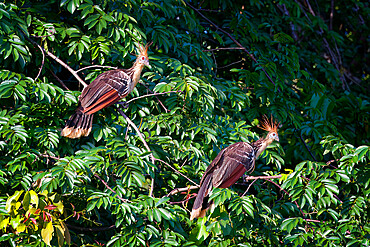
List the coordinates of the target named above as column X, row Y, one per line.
column 260, row 145
column 136, row 72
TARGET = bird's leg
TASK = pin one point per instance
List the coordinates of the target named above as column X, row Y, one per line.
column 123, row 104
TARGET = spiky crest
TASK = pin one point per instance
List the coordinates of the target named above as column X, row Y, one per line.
column 270, row 126
column 144, row 49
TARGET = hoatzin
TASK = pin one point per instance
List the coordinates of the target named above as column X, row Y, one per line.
column 230, row 164
column 108, row 88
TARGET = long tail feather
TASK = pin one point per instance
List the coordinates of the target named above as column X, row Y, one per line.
column 201, row 203
column 79, row 124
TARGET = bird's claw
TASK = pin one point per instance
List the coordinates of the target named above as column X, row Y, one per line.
column 124, row 104
column 245, row 176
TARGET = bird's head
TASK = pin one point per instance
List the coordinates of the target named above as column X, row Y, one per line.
column 142, row 58
column 272, row 127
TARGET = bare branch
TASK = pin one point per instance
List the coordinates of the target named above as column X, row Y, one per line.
column 331, row 15
column 262, row 177
column 178, row 190
column 249, row 187
column 145, row 144
column 91, row 229
column 148, row 95
column 106, row 185
column 182, row 202
column 177, row 171
column 96, row 66
column 231, row 64
column 42, row 63
column 308, row 149
column 160, row 102
column 286, row 192
column 59, row 80
column 234, row 40
column 218, row 49
column 317, row 221
column 74, row 73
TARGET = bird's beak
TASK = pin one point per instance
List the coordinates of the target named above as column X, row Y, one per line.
column 277, row 139
column 146, row 63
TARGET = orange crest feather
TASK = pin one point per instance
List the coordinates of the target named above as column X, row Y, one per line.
column 144, row 49
column 270, row 126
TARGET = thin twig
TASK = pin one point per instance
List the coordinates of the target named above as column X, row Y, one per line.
column 106, row 185
column 262, row 177
column 285, row 11
column 249, row 187
column 96, row 66
column 218, row 49
column 331, row 15
column 231, row 64
column 181, row 202
column 148, row 95
column 234, row 40
column 317, row 221
column 178, row 190
column 91, row 229
column 308, row 149
column 295, row 202
column 174, row 169
column 74, row 73
column 42, row 63
column 49, row 156
column 210, row 10
column 160, row 102
column 59, row 80
column 144, row 143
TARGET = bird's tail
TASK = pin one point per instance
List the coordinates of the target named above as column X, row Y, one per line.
column 201, row 203
column 79, row 124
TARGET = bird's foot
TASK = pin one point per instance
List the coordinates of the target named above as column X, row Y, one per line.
column 123, row 104
column 245, row 176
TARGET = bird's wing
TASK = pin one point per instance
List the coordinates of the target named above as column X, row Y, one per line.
column 107, row 89
column 234, row 162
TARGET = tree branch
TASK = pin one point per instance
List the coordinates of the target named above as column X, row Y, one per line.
column 91, row 229
column 245, row 192
column 106, row 185
column 59, row 80
column 74, row 73
column 178, row 190
column 234, row 40
column 295, row 202
column 160, row 102
column 177, row 171
column 148, row 95
column 182, row 202
column 42, row 63
column 308, row 149
column 96, row 66
column 145, row 144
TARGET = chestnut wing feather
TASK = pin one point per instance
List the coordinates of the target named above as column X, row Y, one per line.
column 236, row 159
column 105, row 90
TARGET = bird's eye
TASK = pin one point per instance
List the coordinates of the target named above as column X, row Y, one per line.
column 142, row 58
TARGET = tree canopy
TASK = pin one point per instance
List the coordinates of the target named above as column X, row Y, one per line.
column 216, row 68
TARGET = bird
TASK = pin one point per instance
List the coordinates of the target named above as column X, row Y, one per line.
column 108, row 88
column 230, row 164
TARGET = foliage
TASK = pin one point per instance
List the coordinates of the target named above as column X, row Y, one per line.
column 95, row 191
